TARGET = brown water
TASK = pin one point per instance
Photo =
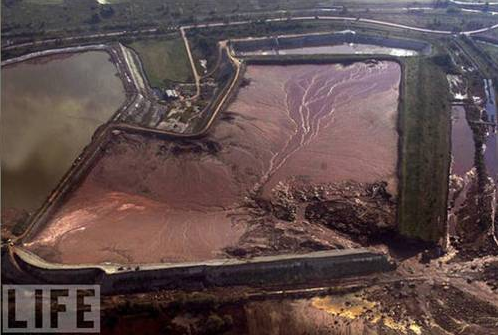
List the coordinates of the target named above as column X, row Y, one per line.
column 491, row 155
column 462, row 142
column 491, row 152
column 50, row 109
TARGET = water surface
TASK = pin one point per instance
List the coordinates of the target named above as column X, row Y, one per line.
column 346, row 48
column 491, row 151
column 462, row 142
column 50, row 108
column 491, row 155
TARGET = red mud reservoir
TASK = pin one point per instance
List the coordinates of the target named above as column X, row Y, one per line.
column 148, row 200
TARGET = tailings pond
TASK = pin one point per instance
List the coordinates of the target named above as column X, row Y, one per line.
column 148, row 200
column 50, row 108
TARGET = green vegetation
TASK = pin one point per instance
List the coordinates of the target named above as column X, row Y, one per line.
column 483, row 56
column 438, row 19
column 482, row 60
column 46, row 18
column 491, row 49
column 425, row 149
column 164, row 60
column 37, row 17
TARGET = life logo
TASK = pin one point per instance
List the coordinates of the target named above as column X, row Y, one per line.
column 50, row 308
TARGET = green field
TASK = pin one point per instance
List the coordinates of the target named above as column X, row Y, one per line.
column 425, row 150
column 164, row 60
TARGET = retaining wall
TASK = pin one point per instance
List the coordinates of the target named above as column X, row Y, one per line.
column 284, row 269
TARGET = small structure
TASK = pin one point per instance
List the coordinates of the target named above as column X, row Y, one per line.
column 347, row 31
column 171, row 94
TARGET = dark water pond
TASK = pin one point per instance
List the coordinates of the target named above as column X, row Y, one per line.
column 50, row 109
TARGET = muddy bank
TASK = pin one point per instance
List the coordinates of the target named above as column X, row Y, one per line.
column 147, row 200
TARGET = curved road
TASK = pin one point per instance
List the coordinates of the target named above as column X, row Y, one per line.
column 470, row 3
column 347, row 19
column 219, row 24
column 304, row 18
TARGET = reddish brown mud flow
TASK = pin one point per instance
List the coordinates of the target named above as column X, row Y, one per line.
column 141, row 203
column 327, row 123
column 148, row 200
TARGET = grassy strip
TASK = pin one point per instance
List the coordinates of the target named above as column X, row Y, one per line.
column 164, row 60
column 492, row 50
column 425, row 149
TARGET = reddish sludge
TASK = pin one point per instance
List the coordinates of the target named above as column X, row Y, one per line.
column 150, row 201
